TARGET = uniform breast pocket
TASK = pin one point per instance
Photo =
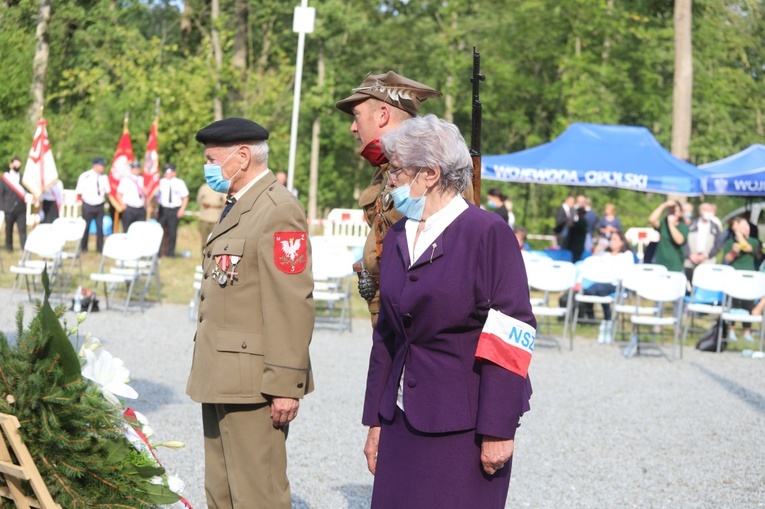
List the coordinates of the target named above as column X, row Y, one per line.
column 238, row 363
column 228, row 264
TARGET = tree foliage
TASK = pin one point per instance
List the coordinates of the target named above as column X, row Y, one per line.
column 548, row 64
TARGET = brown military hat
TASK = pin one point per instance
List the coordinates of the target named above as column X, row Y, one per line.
column 398, row 91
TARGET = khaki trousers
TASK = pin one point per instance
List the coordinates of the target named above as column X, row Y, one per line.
column 245, row 458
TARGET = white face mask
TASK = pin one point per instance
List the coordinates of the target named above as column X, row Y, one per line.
column 707, row 216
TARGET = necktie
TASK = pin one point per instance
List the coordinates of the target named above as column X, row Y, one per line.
column 170, row 193
column 230, row 200
column 98, row 184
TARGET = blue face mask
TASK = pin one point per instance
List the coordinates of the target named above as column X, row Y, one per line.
column 491, row 205
column 408, row 206
column 214, row 176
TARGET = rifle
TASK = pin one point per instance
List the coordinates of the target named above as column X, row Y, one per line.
column 475, row 127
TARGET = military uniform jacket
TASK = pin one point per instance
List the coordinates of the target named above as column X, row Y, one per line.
column 253, row 331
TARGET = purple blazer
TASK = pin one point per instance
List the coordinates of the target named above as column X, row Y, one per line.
column 431, row 316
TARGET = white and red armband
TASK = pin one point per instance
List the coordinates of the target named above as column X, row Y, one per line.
column 507, row 342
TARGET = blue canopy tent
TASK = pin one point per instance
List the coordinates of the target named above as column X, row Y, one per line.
column 599, row 155
column 742, row 174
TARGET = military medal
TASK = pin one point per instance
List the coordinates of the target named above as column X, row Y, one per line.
column 223, row 263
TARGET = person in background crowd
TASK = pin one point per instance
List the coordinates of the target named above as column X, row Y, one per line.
column 50, row 201
column 13, row 203
column 211, row 206
column 564, row 220
column 378, row 106
column 673, row 231
column 582, row 202
column 520, row 235
column 441, row 405
column 715, row 219
column 617, row 252
column 92, row 188
column 173, row 198
column 705, row 240
column 609, row 222
column 281, row 177
column 740, row 254
column 495, row 201
column 577, row 235
column 510, row 215
column 687, row 213
column 131, row 193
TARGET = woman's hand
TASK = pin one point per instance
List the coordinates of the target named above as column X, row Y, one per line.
column 495, row 452
column 370, row 448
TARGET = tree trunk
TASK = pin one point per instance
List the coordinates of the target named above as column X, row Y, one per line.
column 186, row 25
column 683, row 81
column 40, row 62
column 313, row 176
column 218, row 56
column 239, row 56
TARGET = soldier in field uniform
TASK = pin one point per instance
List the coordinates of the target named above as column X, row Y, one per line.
column 378, row 105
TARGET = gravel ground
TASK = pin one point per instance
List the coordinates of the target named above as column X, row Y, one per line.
column 603, row 432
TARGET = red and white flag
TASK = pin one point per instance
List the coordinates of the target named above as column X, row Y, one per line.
column 123, row 156
column 40, row 172
column 507, row 342
column 151, row 161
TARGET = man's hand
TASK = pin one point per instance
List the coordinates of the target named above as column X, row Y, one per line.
column 283, row 411
column 495, row 452
column 179, row 214
column 370, row 448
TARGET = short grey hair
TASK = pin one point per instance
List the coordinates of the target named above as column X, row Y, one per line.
column 258, row 149
column 427, row 142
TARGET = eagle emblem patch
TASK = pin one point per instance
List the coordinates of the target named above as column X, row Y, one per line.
column 290, row 251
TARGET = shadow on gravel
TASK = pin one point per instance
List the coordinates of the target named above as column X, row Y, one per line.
column 152, row 395
column 299, row 503
column 751, row 398
column 359, row 496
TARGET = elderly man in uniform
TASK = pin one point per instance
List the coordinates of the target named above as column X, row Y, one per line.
column 256, row 316
column 131, row 193
column 380, row 104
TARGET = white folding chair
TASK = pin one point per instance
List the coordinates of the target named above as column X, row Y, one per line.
column 627, row 287
column 744, row 285
column 117, row 253
column 332, row 272
column 146, row 237
column 659, row 288
column 707, row 293
column 593, row 269
column 71, row 229
column 557, row 277
column 534, row 262
column 42, row 250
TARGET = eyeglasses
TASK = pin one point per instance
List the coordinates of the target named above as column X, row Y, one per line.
column 395, row 171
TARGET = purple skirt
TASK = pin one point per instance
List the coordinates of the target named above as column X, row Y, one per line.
column 418, row 470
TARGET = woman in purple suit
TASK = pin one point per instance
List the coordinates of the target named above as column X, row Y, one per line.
column 447, row 381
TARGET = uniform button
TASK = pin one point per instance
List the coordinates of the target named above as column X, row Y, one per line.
column 300, row 385
column 201, row 317
column 209, row 254
column 414, row 277
column 407, row 319
column 270, row 188
column 207, row 275
column 244, row 346
column 202, row 297
column 411, row 382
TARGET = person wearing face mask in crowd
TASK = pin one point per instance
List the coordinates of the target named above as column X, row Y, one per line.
column 687, row 213
column 705, row 240
column 495, row 201
column 255, row 320
column 446, row 387
column 13, row 203
column 673, row 231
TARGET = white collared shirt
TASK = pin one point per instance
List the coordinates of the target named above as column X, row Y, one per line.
column 93, row 187
column 172, row 192
column 131, row 189
column 251, row 183
column 702, row 236
column 434, row 226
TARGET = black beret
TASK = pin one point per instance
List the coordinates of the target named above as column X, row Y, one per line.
column 98, row 160
column 135, row 164
column 231, row 130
